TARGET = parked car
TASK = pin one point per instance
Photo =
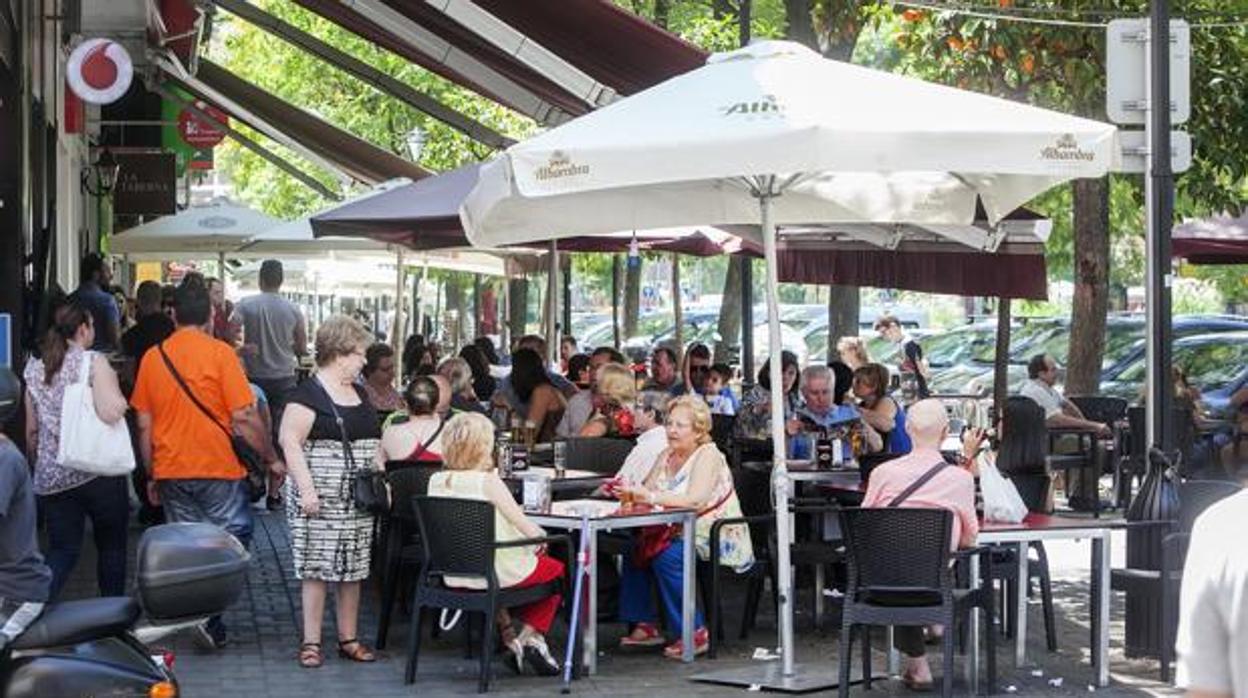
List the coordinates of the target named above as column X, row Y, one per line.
column 1124, row 345
column 1215, row 363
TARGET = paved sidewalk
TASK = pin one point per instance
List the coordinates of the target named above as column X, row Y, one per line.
column 264, row 635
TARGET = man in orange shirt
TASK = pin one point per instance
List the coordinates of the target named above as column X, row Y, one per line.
column 191, row 464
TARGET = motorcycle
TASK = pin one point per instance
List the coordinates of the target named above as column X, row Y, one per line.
column 187, row 572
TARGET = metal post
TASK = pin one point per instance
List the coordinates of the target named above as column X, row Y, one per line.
column 1159, row 193
column 678, row 310
column 780, row 477
column 566, row 270
column 552, row 304
column 1001, row 361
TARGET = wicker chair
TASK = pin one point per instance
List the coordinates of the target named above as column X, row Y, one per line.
column 400, row 540
column 598, row 454
column 899, row 574
column 458, row 539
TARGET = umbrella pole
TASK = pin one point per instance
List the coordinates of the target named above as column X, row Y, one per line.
column 552, row 304
column 678, row 310
column 779, row 475
column 221, row 267
column 396, row 336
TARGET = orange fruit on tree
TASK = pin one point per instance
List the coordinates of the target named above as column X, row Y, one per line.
column 1029, row 64
column 954, row 43
column 912, row 15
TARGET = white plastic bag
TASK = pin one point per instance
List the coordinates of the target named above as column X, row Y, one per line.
column 87, row 443
column 1001, row 499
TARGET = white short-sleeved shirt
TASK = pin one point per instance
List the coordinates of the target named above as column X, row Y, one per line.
column 1212, row 644
column 645, row 454
column 1044, row 395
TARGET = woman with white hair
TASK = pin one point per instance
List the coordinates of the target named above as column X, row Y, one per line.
column 468, row 454
column 458, row 373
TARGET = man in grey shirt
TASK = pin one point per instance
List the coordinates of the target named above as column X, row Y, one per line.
column 274, row 337
column 25, row 580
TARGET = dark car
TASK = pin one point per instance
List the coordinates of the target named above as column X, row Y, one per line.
column 1216, row 364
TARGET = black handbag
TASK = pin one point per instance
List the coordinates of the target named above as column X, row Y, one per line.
column 253, row 463
column 369, row 491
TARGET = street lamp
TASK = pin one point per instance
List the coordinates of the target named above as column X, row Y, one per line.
column 103, row 172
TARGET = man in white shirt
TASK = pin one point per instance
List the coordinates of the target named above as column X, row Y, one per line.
column 1060, row 413
column 1212, row 643
column 651, row 440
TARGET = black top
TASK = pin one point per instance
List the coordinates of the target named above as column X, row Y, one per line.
column 914, row 354
column 360, row 421
column 484, row 387
column 150, row 330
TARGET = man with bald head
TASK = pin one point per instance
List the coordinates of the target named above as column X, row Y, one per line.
column 443, row 409
column 950, row 487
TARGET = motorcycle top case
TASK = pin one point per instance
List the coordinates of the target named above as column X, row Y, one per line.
column 189, row 570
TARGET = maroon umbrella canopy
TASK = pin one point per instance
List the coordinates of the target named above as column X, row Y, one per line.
column 1218, row 240
column 424, row 215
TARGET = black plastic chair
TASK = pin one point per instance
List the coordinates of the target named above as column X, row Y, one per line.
column 722, row 427
column 458, row 540
column 754, row 493
column 400, row 541
column 1101, row 408
column 1195, row 496
column 899, row 574
column 598, row 454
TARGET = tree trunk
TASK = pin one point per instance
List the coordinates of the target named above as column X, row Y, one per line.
column 678, row 308
column 632, row 296
column 801, row 25
column 662, row 12
column 616, row 273
column 843, row 318
column 730, row 311
column 455, row 307
column 518, row 307
column 1087, row 320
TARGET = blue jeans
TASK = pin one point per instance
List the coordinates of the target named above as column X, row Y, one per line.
column 223, row 503
column 636, row 602
column 106, row 502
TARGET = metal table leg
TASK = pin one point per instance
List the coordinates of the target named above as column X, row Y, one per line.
column 972, row 655
column 1020, row 628
column 1100, row 607
column 590, row 656
column 689, row 600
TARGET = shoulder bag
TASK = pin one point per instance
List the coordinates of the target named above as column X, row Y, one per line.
column 257, row 476
column 369, row 491
column 87, row 443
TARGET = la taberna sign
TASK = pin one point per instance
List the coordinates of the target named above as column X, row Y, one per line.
column 99, row 71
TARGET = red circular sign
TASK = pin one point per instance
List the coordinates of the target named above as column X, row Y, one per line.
column 99, row 71
column 199, row 132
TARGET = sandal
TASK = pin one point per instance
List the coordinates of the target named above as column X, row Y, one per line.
column 359, row 653
column 310, row 656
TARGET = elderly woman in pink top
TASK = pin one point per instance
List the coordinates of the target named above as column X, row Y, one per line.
column 952, row 488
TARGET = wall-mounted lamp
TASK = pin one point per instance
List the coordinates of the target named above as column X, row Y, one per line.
column 99, row 178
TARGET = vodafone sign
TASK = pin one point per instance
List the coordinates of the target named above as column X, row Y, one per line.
column 199, row 132
column 99, row 71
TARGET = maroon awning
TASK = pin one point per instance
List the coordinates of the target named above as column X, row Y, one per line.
column 1217, row 240
column 943, row 268
column 611, row 44
column 356, row 156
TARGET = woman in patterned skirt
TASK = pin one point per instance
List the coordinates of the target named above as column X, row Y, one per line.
column 330, row 538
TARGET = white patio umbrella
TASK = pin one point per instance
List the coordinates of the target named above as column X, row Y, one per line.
column 295, row 238
column 213, row 230
column 773, row 134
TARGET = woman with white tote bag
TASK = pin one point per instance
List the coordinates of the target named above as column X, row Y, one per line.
column 67, row 496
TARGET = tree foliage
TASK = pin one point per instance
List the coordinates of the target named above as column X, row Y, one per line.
column 304, row 80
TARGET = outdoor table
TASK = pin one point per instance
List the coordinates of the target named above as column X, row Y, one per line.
column 1042, row 527
column 576, row 482
column 611, row 516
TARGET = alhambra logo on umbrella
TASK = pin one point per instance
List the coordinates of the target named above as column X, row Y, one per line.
column 1066, row 148
column 560, row 166
column 766, row 107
